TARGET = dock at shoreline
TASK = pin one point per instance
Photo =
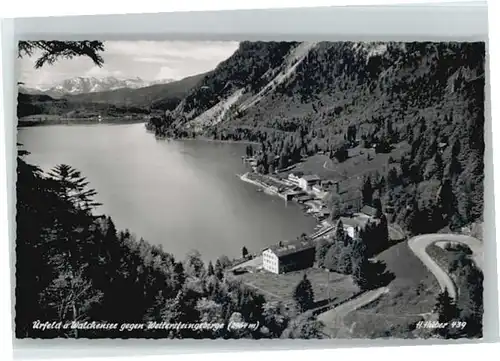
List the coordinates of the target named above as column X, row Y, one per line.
column 268, row 189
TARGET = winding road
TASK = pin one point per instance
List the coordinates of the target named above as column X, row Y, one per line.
column 419, row 244
column 339, row 312
column 334, row 319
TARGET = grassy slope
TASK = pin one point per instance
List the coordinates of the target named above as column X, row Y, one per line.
column 351, row 172
column 280, row 287
column 411, row 295
column 414, row 289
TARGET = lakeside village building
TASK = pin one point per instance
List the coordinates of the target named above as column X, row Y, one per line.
column 300, row 254
column 312, row 182
column 295, row 255
column 305, row 182
column 369, row 211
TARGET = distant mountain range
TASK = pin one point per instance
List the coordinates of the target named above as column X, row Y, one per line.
column 156, row 98
column 85, row 85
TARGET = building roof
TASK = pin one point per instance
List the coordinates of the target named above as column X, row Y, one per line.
column 311, row 178
column 370, row 211
column 354, row 222
column 304, row 198
column 297, row 174
column 291, row 247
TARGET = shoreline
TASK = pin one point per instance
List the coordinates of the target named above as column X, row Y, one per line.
column 28, row 124
column 308, row 208
column 320, row 225
column 267, row 189
column 204, row 139
column 217, row 141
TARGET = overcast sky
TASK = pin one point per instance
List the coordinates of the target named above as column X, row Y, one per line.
column 149, row 60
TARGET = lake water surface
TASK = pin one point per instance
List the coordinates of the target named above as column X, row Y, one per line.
column 183, row 195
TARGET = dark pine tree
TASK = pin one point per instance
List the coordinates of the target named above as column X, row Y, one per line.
column 438, row 160
column 210, row 269
column 322, row 246
column 249, row 150
column 340, row 235
column 304, row 295
column 283, row 160
column 393, row 178
column 446, row 311
column 377, row 204
column 219, row 270
column 351, row 133
column 341, row 154
column 446, row 199
column 419, row 220
column 74, row 187
column 367, row 191
column 244, row 252
column 179, row 276
column 383, row 232
column 454, row 168
column 51, row 51
column 361, row 269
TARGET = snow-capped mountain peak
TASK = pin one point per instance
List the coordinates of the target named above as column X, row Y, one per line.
column 89, row 84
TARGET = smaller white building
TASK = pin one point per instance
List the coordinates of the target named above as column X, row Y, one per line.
column 308, row 181
column 317, row 188
column 350, row 231
column 295, row 177
column 319, row 191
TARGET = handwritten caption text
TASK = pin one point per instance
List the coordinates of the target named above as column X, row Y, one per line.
column 200, row 326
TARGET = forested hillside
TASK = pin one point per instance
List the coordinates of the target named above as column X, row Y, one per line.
column 78, row 277
column 74, row 268
column 44, row 105
column 298, row 99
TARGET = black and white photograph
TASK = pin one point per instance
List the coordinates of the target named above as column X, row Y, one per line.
column 181, row 189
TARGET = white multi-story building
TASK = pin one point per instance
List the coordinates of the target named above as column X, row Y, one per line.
column 288, row 257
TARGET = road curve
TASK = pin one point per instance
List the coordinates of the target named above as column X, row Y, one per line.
column 419, row 244
column 395, row 229
column 335, row 316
